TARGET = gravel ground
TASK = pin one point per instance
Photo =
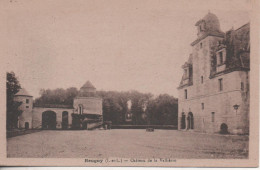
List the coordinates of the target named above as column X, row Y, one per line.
column 127, row 143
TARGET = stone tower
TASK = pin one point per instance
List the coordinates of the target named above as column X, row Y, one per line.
column 215, row 80
column 87, row 102
column 89, row 107
column 25, row 119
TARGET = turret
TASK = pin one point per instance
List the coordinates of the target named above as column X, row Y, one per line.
column 25, row 119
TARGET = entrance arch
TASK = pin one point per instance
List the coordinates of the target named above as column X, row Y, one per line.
column 65, row 120
column 49, row 120
column 26, row 125
column 223, row 128
column 190, row 123
column 183, row 121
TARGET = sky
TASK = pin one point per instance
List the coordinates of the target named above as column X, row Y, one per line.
column 118, row 44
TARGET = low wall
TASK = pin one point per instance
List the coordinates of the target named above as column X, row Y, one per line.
column 10, row 134
column 172, row 127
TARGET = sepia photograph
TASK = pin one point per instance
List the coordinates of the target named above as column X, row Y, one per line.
column 129, row 83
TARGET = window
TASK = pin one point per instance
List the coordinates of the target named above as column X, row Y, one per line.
column 80, row 109
column 202, row 106
column 201, row 45
column 27, row 106
column 220, row 57
column 220, row 84
column 27, row 100
column 186, row 72
column 212, row 116
column 201, row 79
column 186, row 93
column 242, row 86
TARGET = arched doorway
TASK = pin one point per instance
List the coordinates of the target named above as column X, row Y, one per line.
column 49, row 120
column 65, row 120
column 26, row 125
column 190, row 122
column 223, row 128
column 183, row 121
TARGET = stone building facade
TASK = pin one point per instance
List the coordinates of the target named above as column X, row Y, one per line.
column 214, row 89
column 86, row 105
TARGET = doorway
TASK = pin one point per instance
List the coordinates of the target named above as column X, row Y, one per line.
column 26, row 125
column 190, row 121
column 183, row 121
column 224, row 128
column 49, row 120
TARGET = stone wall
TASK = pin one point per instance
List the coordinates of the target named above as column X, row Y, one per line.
column 219, row 102
column 37, row 116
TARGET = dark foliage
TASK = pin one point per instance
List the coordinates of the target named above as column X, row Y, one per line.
column 57, row 96
column 12, row 112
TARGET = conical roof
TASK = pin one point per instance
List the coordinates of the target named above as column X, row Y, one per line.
column 22, row 92
column 88, row 84
column 87, row 90
column 212, row 22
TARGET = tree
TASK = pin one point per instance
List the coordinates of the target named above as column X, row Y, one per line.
column 57, row 96
column 12, row 112
column 163, row 110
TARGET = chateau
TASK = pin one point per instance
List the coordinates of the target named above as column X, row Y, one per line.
column 86, row 112
column 214, row 89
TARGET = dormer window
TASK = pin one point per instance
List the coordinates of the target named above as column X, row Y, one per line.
column 201, row 27
column 221, row 60
column 221, row 57
column 186, row 73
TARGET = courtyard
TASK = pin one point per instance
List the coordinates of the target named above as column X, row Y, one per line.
column 127, row 143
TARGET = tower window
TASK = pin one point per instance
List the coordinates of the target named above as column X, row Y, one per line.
column 242, row 86
column 201, row 79
column 220, row 84
column 212, row 116
column 27, row 101
column 221, row 57
column 186, row 93
column 201, row 45
column 202, row 106
column 27, row 106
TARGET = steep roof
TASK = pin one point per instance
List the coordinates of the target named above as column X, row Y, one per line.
column 211, row 27
column 211, row 21
column 22, row 92
column 88, row 84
